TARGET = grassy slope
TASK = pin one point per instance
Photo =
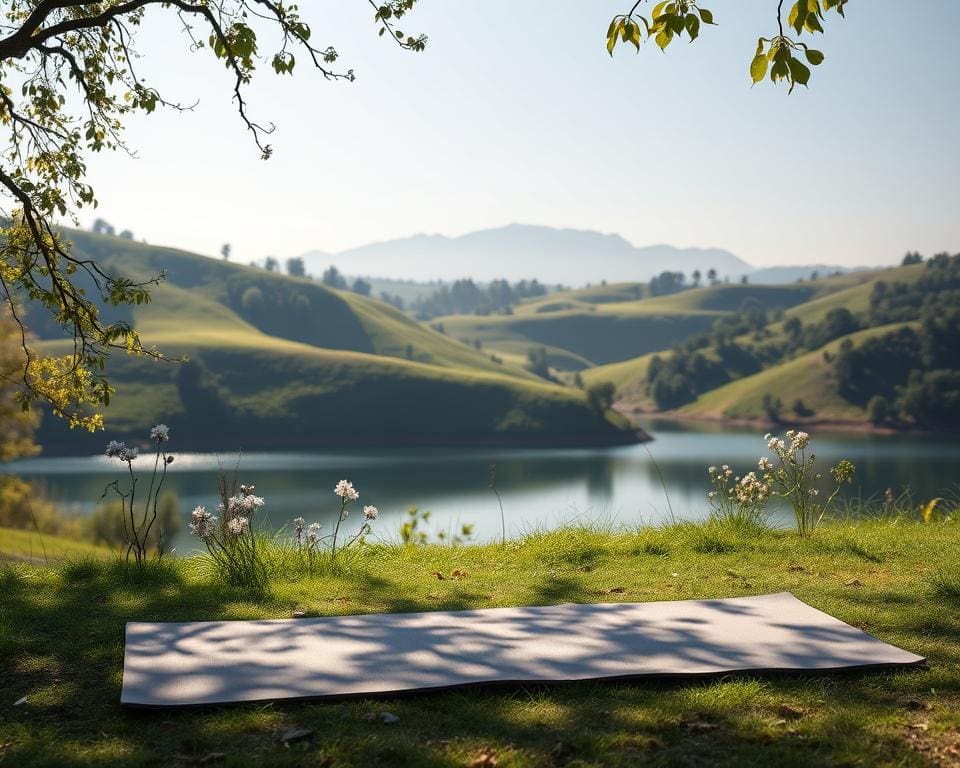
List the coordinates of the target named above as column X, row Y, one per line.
column 33, row 547
column 61, row 638
column 314, row 366
column 606, row 325
column 806, row 377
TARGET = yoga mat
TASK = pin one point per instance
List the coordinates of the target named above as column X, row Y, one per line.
column 218, row 662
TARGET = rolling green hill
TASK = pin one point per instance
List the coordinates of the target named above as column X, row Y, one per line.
column 608, row 324
column 285, row 362
column 807, row 377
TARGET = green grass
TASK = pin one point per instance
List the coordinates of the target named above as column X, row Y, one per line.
column 605, row 325
column 61, row 640
column 806, row 377
column 39, row 548
column 307, row 366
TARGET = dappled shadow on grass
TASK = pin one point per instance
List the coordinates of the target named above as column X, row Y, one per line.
column 61, row 639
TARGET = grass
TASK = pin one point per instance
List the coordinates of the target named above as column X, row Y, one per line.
column 806, row 377
column 37, row 548
column 61, row 633
column 310, row 356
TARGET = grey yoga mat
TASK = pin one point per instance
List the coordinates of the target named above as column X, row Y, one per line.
column 216, row 662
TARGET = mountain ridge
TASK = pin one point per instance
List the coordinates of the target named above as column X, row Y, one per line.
column 524, row 251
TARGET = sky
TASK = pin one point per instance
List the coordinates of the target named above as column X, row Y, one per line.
column 515, row 113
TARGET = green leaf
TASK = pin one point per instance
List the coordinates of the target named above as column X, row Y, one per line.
column 812, row 24
column 612, row 38
column 758, row 67
column 814, row 57
column 693, row 27
column 799, row 71
column 706, row 16
column 663, row 38
column 658, row 8
column 798, row 15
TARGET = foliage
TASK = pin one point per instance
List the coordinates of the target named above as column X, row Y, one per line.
column 16, row 425
column 296, row 267
column 780, row 54
column 465, row 297
column 666, row 283
column 76, row 87
column 141, row 531
column 601, row 396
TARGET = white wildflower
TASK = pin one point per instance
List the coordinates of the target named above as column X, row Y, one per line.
column 160, row 433
column 765, row 464
column 119, row 450
column 313, row 533
column 712, row 470
column 799, row 440
column 202, row 523
column 238, row 526
column 370, row 513
column 298, row 524
column 345, row 490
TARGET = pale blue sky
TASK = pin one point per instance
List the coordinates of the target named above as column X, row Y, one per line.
column 516, row 113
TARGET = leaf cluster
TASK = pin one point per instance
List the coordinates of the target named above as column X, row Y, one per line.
column 779, row 56
column 669, row 20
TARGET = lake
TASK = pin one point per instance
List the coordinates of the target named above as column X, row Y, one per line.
column 540, row 489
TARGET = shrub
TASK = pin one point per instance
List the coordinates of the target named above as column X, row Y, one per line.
column 601, row 396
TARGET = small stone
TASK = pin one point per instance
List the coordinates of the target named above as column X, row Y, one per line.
column 21, row 700
column 293, row 735
column 388, row 718
column 369, row 716
column 299, row 614
column 212, row 757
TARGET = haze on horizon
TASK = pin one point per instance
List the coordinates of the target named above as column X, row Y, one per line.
column 515, row 113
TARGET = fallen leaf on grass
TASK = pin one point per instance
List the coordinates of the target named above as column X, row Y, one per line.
column 612, row 591
column 293, row 735
column 853, row 583
column 439, row 575
column 790, row 713
column 486, row 759
column 796, row 568
column 700, row 726
column 213, row 757
column 458, row 573
column 299, row 614
column 914, row 704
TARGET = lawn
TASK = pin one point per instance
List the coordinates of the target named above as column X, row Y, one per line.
column 61, row 635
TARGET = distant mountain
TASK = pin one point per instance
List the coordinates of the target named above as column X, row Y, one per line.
column 524, row 251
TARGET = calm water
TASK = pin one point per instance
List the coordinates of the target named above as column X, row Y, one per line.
column 539, row 488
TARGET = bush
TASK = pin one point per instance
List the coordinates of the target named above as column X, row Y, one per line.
column 879, row 410
column 601, row 396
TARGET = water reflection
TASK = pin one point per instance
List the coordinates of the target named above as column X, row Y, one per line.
column 540, row 488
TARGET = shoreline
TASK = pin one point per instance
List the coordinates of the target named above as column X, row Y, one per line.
column 830, row 425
